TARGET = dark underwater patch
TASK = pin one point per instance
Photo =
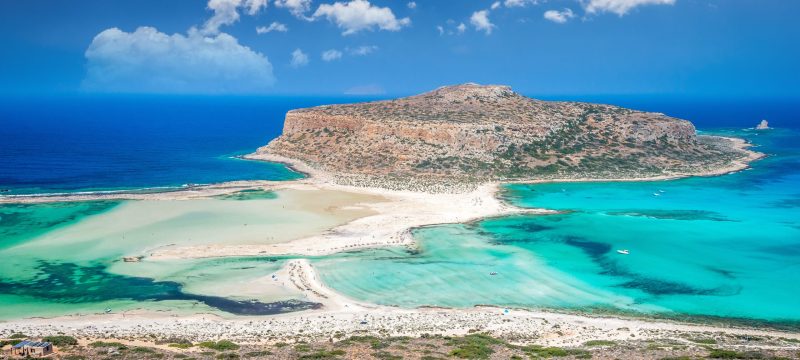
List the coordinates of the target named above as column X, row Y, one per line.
column 792, row 203
column 597, row 252
column 673, row 214
column 74, row 284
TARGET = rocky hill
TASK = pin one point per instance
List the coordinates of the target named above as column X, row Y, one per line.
column 480, row 132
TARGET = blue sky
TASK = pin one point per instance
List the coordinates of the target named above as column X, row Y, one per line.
column 719, row 48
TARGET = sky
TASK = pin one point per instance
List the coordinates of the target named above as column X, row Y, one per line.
column 711, row 48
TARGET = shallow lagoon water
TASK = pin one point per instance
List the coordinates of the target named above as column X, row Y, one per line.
column 725, row 246
column 66, row 258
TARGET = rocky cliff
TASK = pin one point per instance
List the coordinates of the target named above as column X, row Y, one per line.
column 479, row 132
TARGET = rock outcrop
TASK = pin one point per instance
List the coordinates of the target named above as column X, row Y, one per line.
column 763, row 125
column 480, row 132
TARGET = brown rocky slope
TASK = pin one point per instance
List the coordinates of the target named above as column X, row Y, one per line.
column 475, row 132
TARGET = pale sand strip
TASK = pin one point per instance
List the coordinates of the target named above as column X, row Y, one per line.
column 389, row 226
column 402, row 210
column 344, row 317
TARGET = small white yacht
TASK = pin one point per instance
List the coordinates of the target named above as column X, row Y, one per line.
column 623, row 251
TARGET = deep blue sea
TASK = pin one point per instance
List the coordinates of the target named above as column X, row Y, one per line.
column 720, row 247
column 92, row 143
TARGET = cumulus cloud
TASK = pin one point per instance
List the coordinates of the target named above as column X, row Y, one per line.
column 296, row 7
column 461, row 28
column 620, row 7
column 226, row 12
column 147, row 60
column 440, row 29
column 358, row 15
column 254, row 6
column 299, row 59
column 495, row 5
column 480, row 20
column 412, row 5
column 559, row 17
column 275, row 26
column 332, row 54
column 519, row 3
column 364, row 50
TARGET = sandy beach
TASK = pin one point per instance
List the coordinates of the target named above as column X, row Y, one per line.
column 381, row 218
column 343, row 317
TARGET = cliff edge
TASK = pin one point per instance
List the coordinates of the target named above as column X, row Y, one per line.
column 489, row 132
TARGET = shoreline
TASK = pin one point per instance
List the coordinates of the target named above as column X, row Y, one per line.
column 394, row 221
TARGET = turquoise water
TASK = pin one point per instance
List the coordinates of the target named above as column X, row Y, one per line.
column 49, row 269
column 725, row 246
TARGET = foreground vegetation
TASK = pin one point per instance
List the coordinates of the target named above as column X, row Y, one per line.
column 472, row 346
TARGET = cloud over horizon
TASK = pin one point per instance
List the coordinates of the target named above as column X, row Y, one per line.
column 149, row 61
column 358, row 15
column 559, row 17
column 480, row 20
column 299, row 59
column 620, row 7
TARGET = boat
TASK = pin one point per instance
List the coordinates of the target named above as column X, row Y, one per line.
column 493, row 273
column 108, row 310
column 623, row 251
column 656, row 194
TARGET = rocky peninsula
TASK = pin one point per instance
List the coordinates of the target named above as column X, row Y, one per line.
column 484, row 133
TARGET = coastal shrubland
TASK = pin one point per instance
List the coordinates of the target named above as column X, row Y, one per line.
column 475, row 345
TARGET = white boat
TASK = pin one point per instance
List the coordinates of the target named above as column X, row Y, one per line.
column 656, row 194
column 493, row 273
column 623, row 252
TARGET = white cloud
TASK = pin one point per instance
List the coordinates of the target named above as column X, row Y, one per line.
column 147, row 60
column 412, row 5
column 519, row 3
column 357, row 15
column 559, row 17
column 440, row 29
column 495, row 5
column 364, row 50
column 480, row 20
column 275, row 26
column 332, row 54
column 620, row 7
column 296, row 7
column 299, row 58
column 226, row 12
column 461, row 28
column 254, row 6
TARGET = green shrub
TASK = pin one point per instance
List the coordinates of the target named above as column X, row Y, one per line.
column 222, row 345
column 599, row 343
column 323, row 354
column 258, row 353
column 181, row 345
column 302, row 348
column 18, row 336
column 706, row 341
column 118, row 346
column 143, row 350
column 473, row 346
column 384, row 355
column 550, row 352
column 61, row 340
column 731, row 354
